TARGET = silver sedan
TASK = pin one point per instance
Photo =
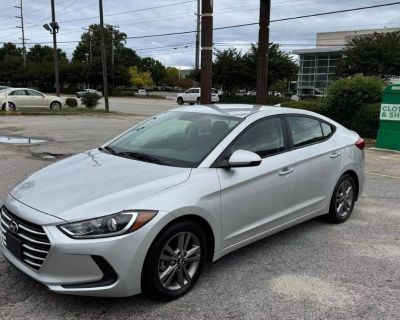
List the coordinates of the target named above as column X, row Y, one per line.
column 146, row 211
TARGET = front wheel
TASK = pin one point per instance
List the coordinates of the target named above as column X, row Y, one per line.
column 180, row 101
column 343, row 199
column 11, row 107
column 175, row 261
column 55, row 105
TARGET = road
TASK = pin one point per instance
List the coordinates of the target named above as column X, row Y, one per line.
column 313, row 271
column 138, row 106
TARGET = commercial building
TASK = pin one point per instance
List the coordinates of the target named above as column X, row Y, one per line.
column 317, row 66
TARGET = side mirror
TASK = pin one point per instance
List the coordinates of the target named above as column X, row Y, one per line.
column 243, row 158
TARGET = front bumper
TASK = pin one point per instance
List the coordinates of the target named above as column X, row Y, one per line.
column 109, row 267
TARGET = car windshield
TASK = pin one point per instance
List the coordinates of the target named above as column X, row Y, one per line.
column 179, row 139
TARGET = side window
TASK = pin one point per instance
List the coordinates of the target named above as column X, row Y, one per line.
column 264, row 138
column 326, row 129
column 33, row 93
column 305, row 130
column 19, row 93
column 196, row 91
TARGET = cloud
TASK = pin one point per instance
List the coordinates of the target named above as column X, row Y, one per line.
column 179, row 49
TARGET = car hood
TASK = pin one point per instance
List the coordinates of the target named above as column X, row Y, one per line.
column 93, row 184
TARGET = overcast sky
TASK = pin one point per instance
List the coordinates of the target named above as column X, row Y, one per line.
column 179, row 50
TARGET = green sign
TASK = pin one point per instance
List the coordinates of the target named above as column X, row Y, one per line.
column 390, row 112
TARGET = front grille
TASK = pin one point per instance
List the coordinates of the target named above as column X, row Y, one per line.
column 25, row 240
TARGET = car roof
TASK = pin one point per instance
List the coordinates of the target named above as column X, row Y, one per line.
column 245, row 110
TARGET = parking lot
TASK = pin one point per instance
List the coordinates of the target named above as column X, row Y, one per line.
column 313, row 271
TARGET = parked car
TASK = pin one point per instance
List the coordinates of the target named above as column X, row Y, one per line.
column 80, row 94
column 147, row 210
column 142, row 92
column 193, row 96
column 25, row 97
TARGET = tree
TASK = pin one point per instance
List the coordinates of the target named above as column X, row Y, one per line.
column 155, row 67
column 140, row 79
column 234, row 70
column 372, row 55
column 228, row 68
column 172, row 77
column 40, row 54
column 280, row 66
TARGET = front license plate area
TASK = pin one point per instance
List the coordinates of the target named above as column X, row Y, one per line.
column 14, row 245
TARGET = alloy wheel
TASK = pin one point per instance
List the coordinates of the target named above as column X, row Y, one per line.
column 179, row 261
column 344, row 198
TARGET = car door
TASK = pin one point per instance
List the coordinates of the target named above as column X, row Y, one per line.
column 193, row 95
column 36, row 99
column 19, row 97
column 318, row 162
column 255, row 199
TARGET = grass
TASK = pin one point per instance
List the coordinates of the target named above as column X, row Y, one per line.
column 63, row 112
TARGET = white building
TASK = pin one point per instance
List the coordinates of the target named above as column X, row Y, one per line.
column 318, row 65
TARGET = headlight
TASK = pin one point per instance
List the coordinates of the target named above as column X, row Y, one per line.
column 109, row 226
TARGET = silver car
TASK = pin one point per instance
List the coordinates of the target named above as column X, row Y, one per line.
column 147, row 210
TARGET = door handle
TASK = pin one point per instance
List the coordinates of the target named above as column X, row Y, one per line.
column 286, row 171
column 334, row 155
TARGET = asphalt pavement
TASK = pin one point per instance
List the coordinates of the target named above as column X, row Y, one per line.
column 315, row 270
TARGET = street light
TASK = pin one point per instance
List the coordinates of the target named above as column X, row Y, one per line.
column 53, row 28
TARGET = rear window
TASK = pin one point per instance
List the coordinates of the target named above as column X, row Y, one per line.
column 305, row 130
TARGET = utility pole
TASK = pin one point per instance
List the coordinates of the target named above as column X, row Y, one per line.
column 263, row 48
column 103, row 57
column 206, row 50
column 112, row 62
column 198, row 16
column 55, row 27
column 90, row 43
column 20, row 7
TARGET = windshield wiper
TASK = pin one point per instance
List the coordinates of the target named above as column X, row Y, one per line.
column 109, row 149
column 142, row 157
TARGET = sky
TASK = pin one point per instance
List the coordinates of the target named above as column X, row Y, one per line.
column 139, row 18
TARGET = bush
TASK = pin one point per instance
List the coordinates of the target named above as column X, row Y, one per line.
column 347, row 96
column 366, row 120
column 272, row 100
column 71, row 102
column 318, row 105
column 90, row 100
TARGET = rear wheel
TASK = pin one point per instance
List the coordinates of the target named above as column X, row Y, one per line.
column 198, row 100
column 343, row 199
column 175, row 261
column 180, row 101
column 55, row 105
column 11, row 107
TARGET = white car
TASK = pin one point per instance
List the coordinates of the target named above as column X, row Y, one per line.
column 142, row 93
column 80, row 94
column 25, row 97
column 144, row 212
column 193, row 96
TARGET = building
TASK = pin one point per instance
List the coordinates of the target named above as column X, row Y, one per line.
column 317, row 66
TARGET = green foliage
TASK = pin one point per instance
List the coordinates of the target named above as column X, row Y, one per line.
column 140, row 79
column 90, row 100
column 234, row 71
column 373, row 55
column 317, row 105
column 346, row 96
column 353, row 102
column 71, row 102
column 272, row 100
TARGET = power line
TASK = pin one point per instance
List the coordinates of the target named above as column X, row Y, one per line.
column 276, row 20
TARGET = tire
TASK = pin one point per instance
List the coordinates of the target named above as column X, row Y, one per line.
column 343, row 199
column 55, row 105
column 11, row 107
column 166, row 274
column 180, row 101
column 198, row 101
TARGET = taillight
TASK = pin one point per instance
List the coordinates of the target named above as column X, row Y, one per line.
column 360, row 144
